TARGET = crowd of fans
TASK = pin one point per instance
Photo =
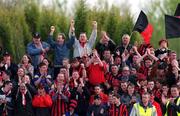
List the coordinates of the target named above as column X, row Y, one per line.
column 110, row 80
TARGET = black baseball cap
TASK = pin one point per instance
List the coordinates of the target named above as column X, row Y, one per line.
column 6, row 53
column 36, row 35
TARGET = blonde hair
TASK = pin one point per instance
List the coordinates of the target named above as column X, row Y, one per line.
column 125, row 35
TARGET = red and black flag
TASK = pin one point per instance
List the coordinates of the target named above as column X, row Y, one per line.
column 177, row 12
column 172, row 26
column 143, row 27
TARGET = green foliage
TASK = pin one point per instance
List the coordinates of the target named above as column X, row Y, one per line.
column 112, row 23
column 13, row 31
column 63, row 24
column 5, row 29
column 32, row 14
column 20, row 18
column 81, row 15
column 127, row 26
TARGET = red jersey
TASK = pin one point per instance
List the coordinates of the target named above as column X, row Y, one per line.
column 96, row 74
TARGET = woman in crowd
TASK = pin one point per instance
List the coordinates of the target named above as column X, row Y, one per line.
column 26, row 65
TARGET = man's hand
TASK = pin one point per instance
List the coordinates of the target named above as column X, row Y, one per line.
column 52, row 28
column 148, row 51
column 75, row 82
column 102, row 111
column 171, row 100
column 59, row 89
column 47, row 49
column 107, row 85
column 95, row 52
column 94, row 25
column 123, row 57
column 72, row 25
column 163, row 99
column 81, row 81
column 135, row 48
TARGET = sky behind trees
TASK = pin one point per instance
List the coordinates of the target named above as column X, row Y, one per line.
column 135, row 6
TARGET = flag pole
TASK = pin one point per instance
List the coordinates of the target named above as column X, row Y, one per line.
column 132, row 33
column 131, row 36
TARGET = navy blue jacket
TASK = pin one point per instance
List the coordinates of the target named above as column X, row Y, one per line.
column 61, row 51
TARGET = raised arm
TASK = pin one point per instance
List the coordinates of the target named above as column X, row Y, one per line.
column 72, row 36
column 93, row 36
column 152, row 55
column 50, row 37
column 89, row 62
column 71, row 29
column 136, row 51
column 95, row 54
column 141, row 58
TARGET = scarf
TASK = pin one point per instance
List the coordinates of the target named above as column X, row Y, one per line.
column 23, row 99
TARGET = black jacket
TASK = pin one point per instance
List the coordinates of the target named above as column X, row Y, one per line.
column 82, row 100
column 172, row 108
column 26, row 110
column 101, row 47
column 9, row 107
column 97, row 110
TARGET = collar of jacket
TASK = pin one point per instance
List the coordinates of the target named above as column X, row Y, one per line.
column 149, row 104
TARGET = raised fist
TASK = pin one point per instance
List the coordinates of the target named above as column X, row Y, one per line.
column 94, row 24
column 134, row 48
column 72, row 25
column 52, row 28
column 95, row 52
